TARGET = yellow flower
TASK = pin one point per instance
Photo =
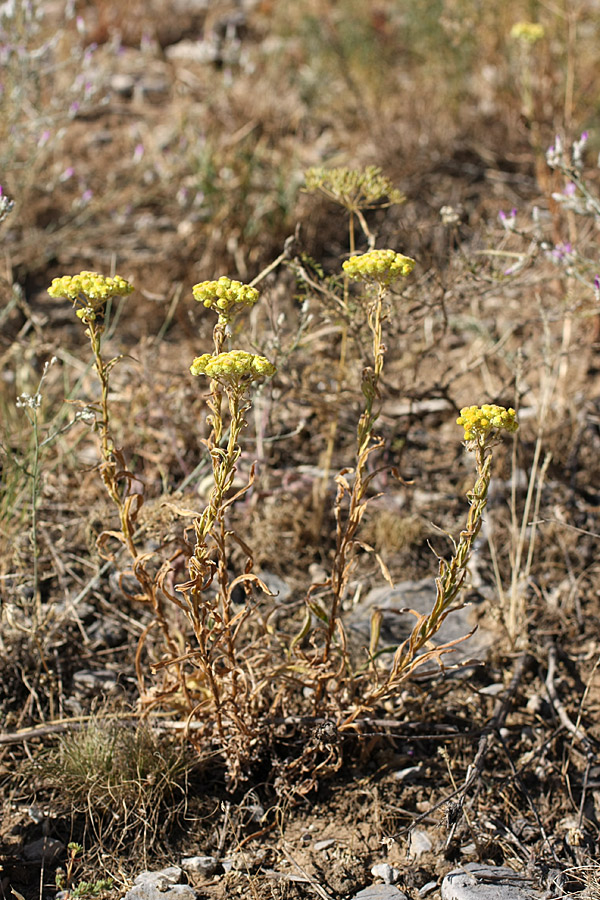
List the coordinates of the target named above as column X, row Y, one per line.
column 91, row 286
column 224, row 295
column 528, row 32
column 381, row 266
column 480, row 422
column 234, row 367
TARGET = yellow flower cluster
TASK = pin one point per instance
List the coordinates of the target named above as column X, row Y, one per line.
column 95, row 288
column 528, row 32
column 353, row 188
column 480, row 421
column 233, row 367
column 382, row 266
column 224, row 295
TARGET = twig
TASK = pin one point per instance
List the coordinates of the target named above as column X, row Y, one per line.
column 314, row 884
column 557, row 703
column 476, row 768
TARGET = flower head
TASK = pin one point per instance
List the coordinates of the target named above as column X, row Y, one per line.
column 480, row 422
column 381, row 266
column 90, row 288
column 527, row 32
column 225, row 296
column 233, row 368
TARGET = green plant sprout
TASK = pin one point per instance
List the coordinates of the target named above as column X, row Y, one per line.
column 65, row 880
column 30, row 404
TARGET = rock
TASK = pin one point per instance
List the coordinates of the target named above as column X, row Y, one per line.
column 386, row 872
column 162, row 885
column 45, row 850
column 477, row 882
column 407, row 775
column 419, row 843
column 200, row 865
column 396, row 627
column 427, row 888
column 95, row 681
column 380, row 892
column 122, row 84
column 324, row 845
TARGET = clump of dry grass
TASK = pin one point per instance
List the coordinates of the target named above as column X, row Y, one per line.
column 127, row 782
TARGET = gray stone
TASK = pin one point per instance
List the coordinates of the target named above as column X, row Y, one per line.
column 45, row 849
column 396, row 627
column 200, row 865
column 428, row 888
column 325, row 844
column 386, row 872
column 380, row 892
column 419, row 843
column 161, row 885
column 477, row 882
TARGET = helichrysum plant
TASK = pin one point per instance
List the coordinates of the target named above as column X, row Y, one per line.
column 90, row 292
column 218, row 691
column 482, row 429
column 378, row 270
column 355, row 190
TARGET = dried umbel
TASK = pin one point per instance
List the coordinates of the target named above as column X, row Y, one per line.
column 353, row 188
column 380, row 266
column 225, row 296
column 480, row 422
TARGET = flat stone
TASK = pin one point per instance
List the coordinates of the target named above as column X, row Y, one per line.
column 161, row 885
column 45, row 849
column 477, row 882
column 325, row 844
column 200, row 865
column 380, row 892
column 419, row 843
column 396, row 627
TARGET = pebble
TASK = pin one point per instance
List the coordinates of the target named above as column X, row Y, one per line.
column 200, row 865
column 380, row 892
column 324, row 845
column 162, row 885
column 419, row 843
column 386, row 872
column 477, row 882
